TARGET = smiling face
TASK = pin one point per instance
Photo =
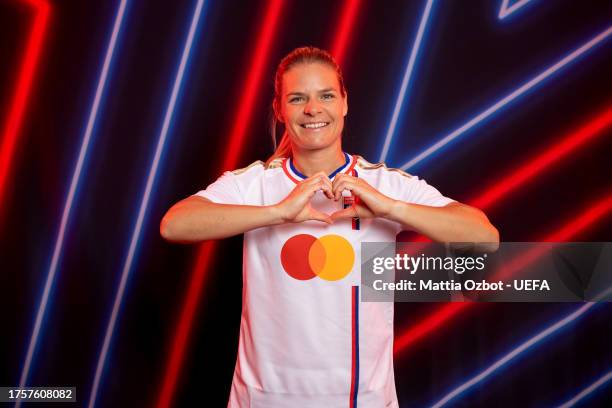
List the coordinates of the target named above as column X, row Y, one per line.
column 312, row 106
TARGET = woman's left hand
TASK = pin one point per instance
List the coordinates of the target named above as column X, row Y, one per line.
column 369, row 202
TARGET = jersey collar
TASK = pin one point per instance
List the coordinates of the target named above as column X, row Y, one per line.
column 296, row 176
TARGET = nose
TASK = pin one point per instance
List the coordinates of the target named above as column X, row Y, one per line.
column 312, row 107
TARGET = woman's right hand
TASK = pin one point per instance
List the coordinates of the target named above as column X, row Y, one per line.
column 296, row 206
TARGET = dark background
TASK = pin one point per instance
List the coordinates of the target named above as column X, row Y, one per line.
column 469, row 59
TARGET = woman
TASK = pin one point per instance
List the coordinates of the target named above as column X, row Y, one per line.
column 305, row 339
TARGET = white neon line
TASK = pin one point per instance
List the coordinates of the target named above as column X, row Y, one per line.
column 508, row 98
column 144, row 204
column 400, row 100
column 523, row 347
column 518, row 350
column 76, row 176
column 505, row 11
column 587, row 391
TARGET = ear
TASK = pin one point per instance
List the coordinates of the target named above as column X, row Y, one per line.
column 345, row 107
column 277, row 113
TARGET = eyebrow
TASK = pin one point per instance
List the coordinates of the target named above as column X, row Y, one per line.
column 321, row 91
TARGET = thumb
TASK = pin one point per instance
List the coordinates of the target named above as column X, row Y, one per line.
column 347, row 213
column 319, row 216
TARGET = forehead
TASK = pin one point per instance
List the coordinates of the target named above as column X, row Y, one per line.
column 310, row 77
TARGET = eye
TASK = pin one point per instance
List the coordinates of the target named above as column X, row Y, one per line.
column 328, row 96
column 296, row 99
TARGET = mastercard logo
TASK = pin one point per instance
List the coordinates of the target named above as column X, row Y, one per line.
column 330, row 257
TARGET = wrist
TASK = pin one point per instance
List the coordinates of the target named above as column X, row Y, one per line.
column 277, row 216
column 399, row 211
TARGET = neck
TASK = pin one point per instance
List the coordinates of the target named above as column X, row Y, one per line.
column 309, row 162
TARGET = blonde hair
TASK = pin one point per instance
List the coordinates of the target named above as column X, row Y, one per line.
column 302, row 55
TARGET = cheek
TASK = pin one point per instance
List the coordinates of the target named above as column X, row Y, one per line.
column 290, row 115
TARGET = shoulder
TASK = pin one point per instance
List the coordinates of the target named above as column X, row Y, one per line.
column 258, row 168
column 380, row 169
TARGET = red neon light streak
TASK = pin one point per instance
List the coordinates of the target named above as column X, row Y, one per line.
column 587, row 218
column 10, row 134
column 569, row 230
column 245, row 110
column 338, row 50
column 181, row 336
column 570, row 143
column 206, row 251
column 574, row 140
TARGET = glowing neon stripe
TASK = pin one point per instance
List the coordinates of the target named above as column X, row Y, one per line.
column 533, row 82
column 253, row 82
column 261, row 54
column 349, row 16
column 525, row 173
column 515, row 353
column 42, row 12
column 205, row 255
column 444, row 314
column 135, row 239
column 74, row 184
column 562, row 148
column 401, row 96
column 505, row 11
column 588, row 391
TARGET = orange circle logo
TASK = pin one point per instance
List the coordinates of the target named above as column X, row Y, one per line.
column 330, row 257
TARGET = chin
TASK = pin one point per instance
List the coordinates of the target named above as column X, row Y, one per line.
column 316, row 143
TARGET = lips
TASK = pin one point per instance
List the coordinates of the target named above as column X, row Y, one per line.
column 314, row 125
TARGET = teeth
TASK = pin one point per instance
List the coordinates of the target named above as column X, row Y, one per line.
column 314, row 125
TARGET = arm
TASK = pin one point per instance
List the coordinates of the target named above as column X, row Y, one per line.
column 454, row 222
column 196, row 219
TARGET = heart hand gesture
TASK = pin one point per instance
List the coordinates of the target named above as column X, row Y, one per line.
column 369, row 202
column 296, row 206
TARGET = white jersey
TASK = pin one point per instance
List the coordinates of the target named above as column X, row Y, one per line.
column 305, row 338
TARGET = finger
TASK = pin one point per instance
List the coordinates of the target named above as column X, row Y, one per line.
column 312, row 185
column 320, row 182
column 343, row 185
column 338, row 179
column 317, row 178
column 318, row 175
column 329, row 187
column 347, row 213
column 326, row 188
column 319, row 216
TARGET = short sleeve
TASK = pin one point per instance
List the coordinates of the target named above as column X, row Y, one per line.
column 224, row 190
column 422, row 193
column 412, row 189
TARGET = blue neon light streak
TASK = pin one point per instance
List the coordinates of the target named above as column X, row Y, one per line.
column 520, row 349
column 72, row 193
column 505, row 11
column 524, row 347
column 520, row 91
column 588, row 391
column 401, row 96
column 127, row 267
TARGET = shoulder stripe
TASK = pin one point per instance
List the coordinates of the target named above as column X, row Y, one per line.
column 366, row 165
column 250, row 166
column 273, row 164
column 276, row 163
